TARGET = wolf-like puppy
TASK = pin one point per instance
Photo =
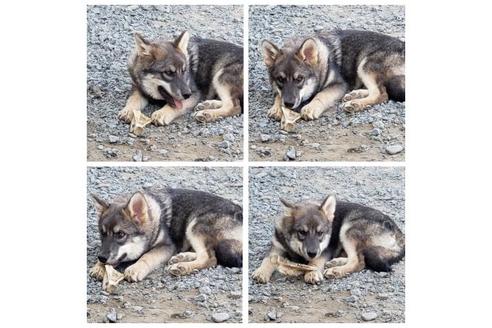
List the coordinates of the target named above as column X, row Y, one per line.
column 311, row 74
column 150, row 227
column 180, row 74
column 314, row 233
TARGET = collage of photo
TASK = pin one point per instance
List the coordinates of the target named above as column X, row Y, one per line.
column 245, row 164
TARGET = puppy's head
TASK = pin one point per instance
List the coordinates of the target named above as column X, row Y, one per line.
column 292, row 71
column 123, row 228
column 308, row 226
column 161, row 69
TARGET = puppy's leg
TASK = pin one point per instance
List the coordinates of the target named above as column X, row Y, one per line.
column 275, row 111
column 229, row 89
column 325, row 99
column 205, row 256
column 183, row 257
column 339, row 261
column 148, row 262
column 354, row 263
column 98, row 271
column 135, row 103
column 267, row 268
column 209, row 104
column 314, row 277
column 167, row 114
column 376, row 92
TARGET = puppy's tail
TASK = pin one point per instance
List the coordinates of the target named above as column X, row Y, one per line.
column 380, row 259
column 229, row 253
column 395, row 87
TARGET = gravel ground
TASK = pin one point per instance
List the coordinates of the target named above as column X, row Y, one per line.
column 362, row 296
column 336, row 136
column 200, row 297
column 109, row 42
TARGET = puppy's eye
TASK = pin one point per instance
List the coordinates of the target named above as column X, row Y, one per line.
column 301, row 234
column 120, row 235
column 299, row 79
column 169, row 72
column 281, row 79
column 320, row 233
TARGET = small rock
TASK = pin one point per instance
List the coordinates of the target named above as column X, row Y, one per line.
column 290, row 154
column 229, row 137
column 265, row 137
column 375, row 132
column 272, row 315
column 201, row 298
column 112, row 316
column 205, row 290
column 369, row 316
column 224, row 144
column 138, row 156
column 100, row 147
column 394, row 149
column 113, row 139
column 220, row 317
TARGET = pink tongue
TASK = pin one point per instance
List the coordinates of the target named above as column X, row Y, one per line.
column 178, row 103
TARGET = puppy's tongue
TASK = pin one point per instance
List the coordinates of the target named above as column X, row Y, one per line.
column 178, row 103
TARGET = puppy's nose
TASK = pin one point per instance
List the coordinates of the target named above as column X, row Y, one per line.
column 186, row 95
column 289, row 104
column 102, row 259
column 312, row 254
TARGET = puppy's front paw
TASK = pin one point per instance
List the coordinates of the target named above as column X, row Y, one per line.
column 335, row 272
column 205, row 116
column 208, row 104
column 97, row 272
column 352, row 106
column 311, row 112
column 136, row 272
column 275, row 112
column 355, row 94
column 182, row 257
column 261, row 276
column 162, row 117
column 125, row 115
column 313, row 277
column 180, row 269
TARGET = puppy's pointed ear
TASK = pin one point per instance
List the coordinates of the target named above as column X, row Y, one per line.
column 182, row 41
column 270, row 52
column 101, row 205
column 138, row 208
column 143, row 46
column 328, row 206
column 308, row 52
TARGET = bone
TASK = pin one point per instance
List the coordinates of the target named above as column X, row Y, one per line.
column 111, row 279
column 289, row 118
column 139, row 122
column 290, row 268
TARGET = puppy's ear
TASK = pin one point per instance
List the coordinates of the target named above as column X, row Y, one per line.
column 308, row 52
column 101, row 204
column 270, row 52
column 289, row 206
column 138, row 208
column 328, row 206
column 143, row 46
column 182, row 41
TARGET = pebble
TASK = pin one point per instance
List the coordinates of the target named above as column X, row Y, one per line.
column 100, row 147
column 138, row 156
column 369, row 316
column 113, row 139
column 111, row 315
column 265, row 137
column 272, row 315
column 220, row 317
column 394, row 149
column 290, row 154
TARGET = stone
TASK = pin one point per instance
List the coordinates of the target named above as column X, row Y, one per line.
column 220, row 317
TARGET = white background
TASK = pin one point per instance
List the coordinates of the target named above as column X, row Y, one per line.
column 43, row 156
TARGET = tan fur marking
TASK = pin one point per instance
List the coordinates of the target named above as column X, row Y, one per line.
column 321, row 102
column 135, row 103
column 147, row 263
column 275, row 111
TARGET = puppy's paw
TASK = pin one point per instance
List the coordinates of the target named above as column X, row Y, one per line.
column 162, row 117
column 311, row 112
column 205, row 116
column 136, row 272
column 180, row 269
column 336, row 262
column 125, row 115
column 335, row 272
column 208, row 104
column 182, row 257
column 352, row 106
column 275, row 112
column 313, row 277
column 97, row 272
column 261, row 276
column 355, row 94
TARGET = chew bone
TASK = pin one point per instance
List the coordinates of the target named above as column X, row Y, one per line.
column 290, row 268
column 139, row 122
column 289, row 118
column 111, row 279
